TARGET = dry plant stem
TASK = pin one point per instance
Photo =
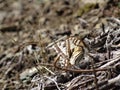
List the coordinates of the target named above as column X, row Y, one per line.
column 74, row 82
column 4, row 87
column 68, row 51
column 61, row 53
column 13, row 66
column 68, row 48
column 54, row 82
column 115, row 20
column 22, row 46
column 108, row 83
column 114, row 80
column 112, row 61
column 37, row 62
column 9, row 69
column 46, row 64
column 79, row 84
column 9, row 28
column 48, row 70
column 107, row 46
column 51, row 44
column 95, row 76
column 42, row 49
column 42, row 66
column 75, row 70
column 9, row 55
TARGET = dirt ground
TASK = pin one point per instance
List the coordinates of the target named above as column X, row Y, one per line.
column 27, row 21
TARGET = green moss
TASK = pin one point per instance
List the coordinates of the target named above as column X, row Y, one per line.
column 86, row 8
column 80, row 12
column 119, row 4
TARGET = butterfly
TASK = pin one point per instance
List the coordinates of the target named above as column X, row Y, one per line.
column 70, row 51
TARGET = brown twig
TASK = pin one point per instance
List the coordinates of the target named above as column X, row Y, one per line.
column 76, row 70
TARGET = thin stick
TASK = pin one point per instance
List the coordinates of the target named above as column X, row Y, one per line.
column 48, row 70
column 61, row 53
column 51, row 44
column 75, row 70
column 112, row 61
column 54, row 82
